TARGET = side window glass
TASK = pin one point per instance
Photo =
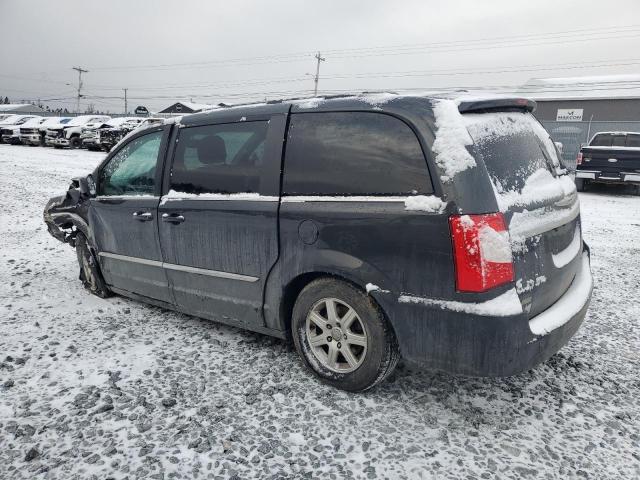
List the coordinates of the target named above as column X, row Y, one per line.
column 224, row 158
column 353, row 153
column 132, row 170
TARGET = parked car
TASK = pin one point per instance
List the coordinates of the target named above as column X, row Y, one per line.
column 90, row 136
column 10, row 127
column 610, row 157
column 51, row 122
column 111, row 136
column 32, row 132
column 441, row 229
column 68, row 135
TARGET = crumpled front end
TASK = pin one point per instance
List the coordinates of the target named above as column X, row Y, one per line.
column 66, row 215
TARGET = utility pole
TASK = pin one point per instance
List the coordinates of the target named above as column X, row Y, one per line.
column 319, row 59
column 126, row 110
column 80, row 72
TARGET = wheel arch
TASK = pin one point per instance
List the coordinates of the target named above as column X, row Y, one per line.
column 292, row 289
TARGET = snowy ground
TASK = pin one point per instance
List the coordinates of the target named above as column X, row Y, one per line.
column 118, row 389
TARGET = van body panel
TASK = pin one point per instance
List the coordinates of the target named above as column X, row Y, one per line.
column 233, row 259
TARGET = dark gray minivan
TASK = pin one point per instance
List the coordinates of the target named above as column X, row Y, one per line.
column 366, row 227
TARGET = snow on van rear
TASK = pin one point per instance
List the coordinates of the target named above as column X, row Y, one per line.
column 451, row 141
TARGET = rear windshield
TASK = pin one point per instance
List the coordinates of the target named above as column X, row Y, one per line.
column 615, row 140
column 601, row 140
column 513, row 146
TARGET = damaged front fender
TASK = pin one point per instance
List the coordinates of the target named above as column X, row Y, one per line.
column 67, row 214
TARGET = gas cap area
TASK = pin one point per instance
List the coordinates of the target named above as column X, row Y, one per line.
column 308, row 232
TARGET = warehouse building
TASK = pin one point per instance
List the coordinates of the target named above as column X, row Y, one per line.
column 574, row 109
column 21, row 108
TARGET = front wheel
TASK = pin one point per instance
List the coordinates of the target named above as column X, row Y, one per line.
column 90, row 274
column 343, row 336
column 75, row 142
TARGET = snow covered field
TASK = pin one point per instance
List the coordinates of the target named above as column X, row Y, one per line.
column 117, row 389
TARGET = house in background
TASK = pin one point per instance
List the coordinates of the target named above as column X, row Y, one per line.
column 182, row 108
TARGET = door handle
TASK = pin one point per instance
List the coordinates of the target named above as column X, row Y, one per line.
column 143, row 216
column 172, row 218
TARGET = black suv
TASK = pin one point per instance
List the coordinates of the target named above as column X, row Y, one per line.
column 366, row 227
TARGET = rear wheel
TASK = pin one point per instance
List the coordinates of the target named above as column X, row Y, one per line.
column 90, row 274
column 580, row 184
column 343, row 336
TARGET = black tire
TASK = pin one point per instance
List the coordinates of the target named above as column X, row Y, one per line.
column 75, row 142
column 382, row 353
column 57, row 146
column 580, row 184
column 90, row 274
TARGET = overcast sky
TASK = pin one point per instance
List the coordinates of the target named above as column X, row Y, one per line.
column 212, row 51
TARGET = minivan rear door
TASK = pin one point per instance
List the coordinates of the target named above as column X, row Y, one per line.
column 538, row 199
column 219, row 215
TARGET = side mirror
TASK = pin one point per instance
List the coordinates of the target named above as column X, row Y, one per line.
column 92, row 185
column 87, row 186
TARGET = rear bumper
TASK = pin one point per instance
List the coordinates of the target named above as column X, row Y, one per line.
column 631, row 178
column 483, row 345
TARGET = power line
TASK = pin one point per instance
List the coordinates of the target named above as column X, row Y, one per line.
column 390, row 74
column 480, row 43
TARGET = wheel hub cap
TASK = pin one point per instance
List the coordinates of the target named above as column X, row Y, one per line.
column 336, row 335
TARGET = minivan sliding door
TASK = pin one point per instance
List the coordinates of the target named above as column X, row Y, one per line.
column 219, row 221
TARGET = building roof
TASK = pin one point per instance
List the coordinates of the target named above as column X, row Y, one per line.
column 186, row 107
column 583, row 88
column 20, row 108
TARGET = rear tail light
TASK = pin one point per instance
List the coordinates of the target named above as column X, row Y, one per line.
column 482, row 251
column 579, row 159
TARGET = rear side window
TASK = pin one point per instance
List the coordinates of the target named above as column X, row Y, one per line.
column 223, row 158
column 601, row 140
column 353, row 153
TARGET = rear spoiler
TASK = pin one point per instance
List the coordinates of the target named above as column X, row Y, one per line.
column 496, row 104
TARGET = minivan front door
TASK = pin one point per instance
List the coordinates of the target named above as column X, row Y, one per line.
column 219, row 219
column 124, row 218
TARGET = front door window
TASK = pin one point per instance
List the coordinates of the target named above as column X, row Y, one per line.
column 132, row 171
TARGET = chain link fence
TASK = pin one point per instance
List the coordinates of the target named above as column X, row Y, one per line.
column 574, row 134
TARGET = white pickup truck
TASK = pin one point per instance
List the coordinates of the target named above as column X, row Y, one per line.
column 10, row 127
column 68, row 135
column 33, row 131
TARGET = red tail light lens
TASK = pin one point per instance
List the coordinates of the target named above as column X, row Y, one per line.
column 579, row 159
column 482, row 251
